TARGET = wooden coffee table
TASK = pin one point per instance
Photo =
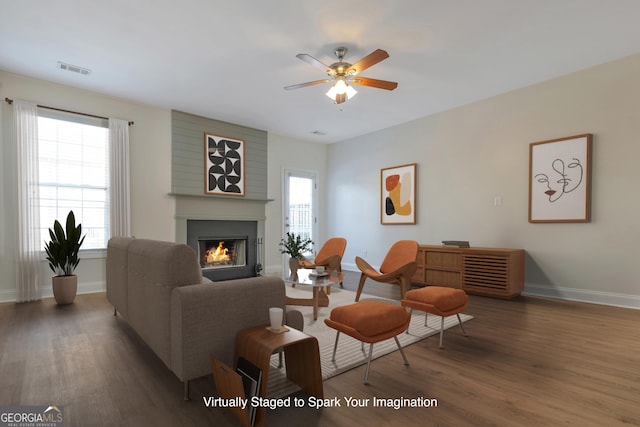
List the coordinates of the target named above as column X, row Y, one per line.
column 321, row 288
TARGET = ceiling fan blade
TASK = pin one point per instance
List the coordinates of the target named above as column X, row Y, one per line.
column 314, row 62
column 372, row 59
column 380, row 84
column 299, row 85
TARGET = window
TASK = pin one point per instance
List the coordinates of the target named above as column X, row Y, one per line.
column 74, row 174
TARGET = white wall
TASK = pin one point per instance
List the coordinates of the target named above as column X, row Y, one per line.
column 465, row 157
column 152, row 210
column 286, row 153
column 469, row 155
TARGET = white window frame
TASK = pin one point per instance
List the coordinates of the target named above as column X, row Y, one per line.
column 87, row 120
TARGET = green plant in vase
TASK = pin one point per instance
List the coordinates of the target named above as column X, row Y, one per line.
column 62, row 253
column 295, row 246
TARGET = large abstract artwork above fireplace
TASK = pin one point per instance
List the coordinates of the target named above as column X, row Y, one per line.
column 226, row 249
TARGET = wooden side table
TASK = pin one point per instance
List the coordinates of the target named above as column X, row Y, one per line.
column 302, row 359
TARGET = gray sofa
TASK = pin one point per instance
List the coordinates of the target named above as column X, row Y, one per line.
column 158, row 288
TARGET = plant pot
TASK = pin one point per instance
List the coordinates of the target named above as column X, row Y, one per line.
column 294, row 265
column 65, row 288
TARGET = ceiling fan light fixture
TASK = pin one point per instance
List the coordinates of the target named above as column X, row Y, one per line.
column 341, row 88
column 332, row 93
column 351, row 92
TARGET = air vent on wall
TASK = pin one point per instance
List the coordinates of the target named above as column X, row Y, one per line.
column 74, row 68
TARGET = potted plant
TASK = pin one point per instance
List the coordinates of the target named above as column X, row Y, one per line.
column 295, row 246
column 62, row 254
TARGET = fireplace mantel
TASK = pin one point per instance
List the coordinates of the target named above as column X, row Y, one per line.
column 213, row 196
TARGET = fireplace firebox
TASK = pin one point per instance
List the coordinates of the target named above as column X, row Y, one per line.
column 222, row 253
column 226, row 249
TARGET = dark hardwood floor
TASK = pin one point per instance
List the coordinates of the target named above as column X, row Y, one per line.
column 526, row 362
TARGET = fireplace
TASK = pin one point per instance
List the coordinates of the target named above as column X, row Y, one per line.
column 222, row 253
column 226, row 249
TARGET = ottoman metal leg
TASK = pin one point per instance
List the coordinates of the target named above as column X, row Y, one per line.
column 441, row 329
column 335, row 347
column 462, row 327
column 366, row 373
column 410, row 314
column 406, row 362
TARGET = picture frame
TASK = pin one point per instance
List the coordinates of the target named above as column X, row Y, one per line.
column 398, row 194
column 560, row 179
column 224, row 165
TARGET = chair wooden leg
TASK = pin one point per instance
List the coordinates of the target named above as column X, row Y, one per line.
column 404, row 286
column 363, row 278
column 441, row 329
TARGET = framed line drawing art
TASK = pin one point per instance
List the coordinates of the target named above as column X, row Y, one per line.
column 560, row 179
column 224, row 166
column 398, row 194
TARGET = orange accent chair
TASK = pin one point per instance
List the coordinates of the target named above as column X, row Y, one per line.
column 329, row 256
column 397, row 267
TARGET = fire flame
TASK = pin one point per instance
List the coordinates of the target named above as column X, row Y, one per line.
column 216, row 255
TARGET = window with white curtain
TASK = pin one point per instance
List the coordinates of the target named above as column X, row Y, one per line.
column 74, row 174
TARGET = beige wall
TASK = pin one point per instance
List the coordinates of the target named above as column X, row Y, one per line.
column 150, row 171
column 468, row 156
column 152, row 209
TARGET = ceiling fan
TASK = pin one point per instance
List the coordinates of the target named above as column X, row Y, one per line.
column 344, row 74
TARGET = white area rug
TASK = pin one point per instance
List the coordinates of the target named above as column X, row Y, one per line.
column 350, row 353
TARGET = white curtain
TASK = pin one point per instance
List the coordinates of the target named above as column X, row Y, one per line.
column 28, row 246
column 119, row 175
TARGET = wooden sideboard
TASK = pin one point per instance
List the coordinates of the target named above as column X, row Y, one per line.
column 492, row 272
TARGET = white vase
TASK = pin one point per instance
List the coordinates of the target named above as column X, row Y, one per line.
column 65, row 288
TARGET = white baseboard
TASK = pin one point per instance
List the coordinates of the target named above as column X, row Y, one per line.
column 569, row 294
column 10, row 295
column 582, row 295
column 7, row 295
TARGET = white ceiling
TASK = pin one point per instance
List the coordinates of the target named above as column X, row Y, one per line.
column 230, row 60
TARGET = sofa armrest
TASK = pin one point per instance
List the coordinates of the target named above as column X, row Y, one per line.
column 205, row 319
column 294, row 319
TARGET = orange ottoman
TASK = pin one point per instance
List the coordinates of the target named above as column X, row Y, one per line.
column 437, row 300
column 370, row 322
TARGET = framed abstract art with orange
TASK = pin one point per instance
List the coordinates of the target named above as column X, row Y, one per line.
column 398, row 194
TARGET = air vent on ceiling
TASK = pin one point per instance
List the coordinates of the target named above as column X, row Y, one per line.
column 74, row 68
